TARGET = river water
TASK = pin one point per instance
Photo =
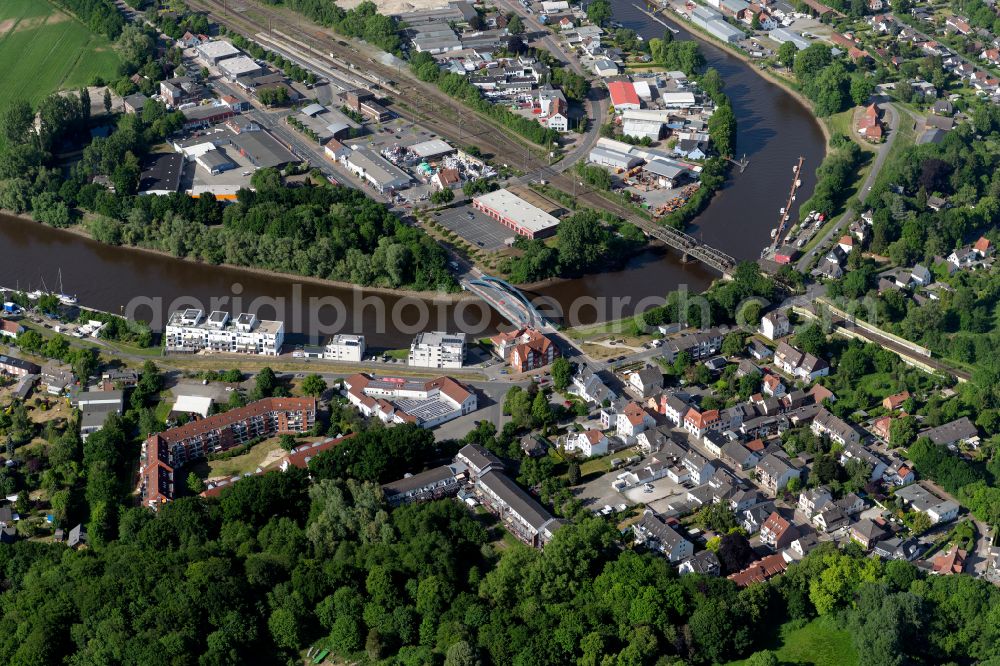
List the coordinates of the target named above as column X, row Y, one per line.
column 773, row 131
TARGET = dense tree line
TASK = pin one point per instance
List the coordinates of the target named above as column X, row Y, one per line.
column 362, row 22
column 585, row 243
column 827, row 82
column 834, row 177
column 459, row 87
column 973, row 485
column 278, row 564
column 101, row 16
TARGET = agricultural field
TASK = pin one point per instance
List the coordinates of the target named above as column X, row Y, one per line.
column 43, row 49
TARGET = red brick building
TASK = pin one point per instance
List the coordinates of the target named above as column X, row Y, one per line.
column 164, row 453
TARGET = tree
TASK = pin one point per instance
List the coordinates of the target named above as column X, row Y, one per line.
column 313, row 385
column 541, row 412
column 573, row 473
column 599, row 12
column 811, row 339
column 734, row 344
column 442, row 197
column 762, row 657
column 16, row 121
column 194, row 483
column 786, row 53
column 862, row 88
column 515, row 25
column 755, row 22
column 562, row 374
column 734, row 553
column 287, row 442
column 264, row 383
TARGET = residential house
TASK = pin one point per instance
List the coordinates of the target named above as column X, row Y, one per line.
column 829, row 519
column 632, row 420
column 950, row 562
column 525, row 349
column 698, row 423
column 896, row 401
column 760, row 571
column 921, row 499
column 867, row 533
column 777, row 532
column 814, row 500
column 646, row 382
column 857, row 451
column 899, row 473
column 589, row 386
column 714, row 441
column 800, row 547
column 870, row 124
column 17, row 367
column 799, row 365
column 773, row 386
column 921, row 275
column 587, row 443
column 534, row 446
column 738, row 456
column 435, row 483
column 959, row 431
column 704, row 562
column 654, row 532
column 895, row 548
column 700, row 470
column 835, row 428
column 851, row 504
column 755, row 517
column 57, row 378
column 774, row 473
column 775, row 325
column 10, row 329
column 674, row 406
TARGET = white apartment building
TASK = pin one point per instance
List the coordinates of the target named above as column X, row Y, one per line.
column 437, row 350
column 190, row 331
column 344, row 347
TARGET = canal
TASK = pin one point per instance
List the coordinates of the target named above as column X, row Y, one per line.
column 773, row 131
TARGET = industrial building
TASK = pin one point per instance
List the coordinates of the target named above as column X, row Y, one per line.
column 376, row 170
column 782, row 35
column 344, row 347
column 437, row 349
column 432, row 149
column 613, row 159
column 515, row 213
column 190, row 331
column 214, row 161
column 161, row 173
column 623, row 96
column 724, row 31
column 234, row 68
column 213, row 53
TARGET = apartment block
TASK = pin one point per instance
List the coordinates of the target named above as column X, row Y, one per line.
column 191, row 331
column 345, row 347
column 437, row 350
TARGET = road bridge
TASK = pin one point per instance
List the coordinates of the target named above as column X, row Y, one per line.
column 506, row 299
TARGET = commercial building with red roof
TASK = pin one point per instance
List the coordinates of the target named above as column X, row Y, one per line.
column 623, row 96
column 397, row 400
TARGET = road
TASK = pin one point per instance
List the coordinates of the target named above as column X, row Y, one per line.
column 892, row 117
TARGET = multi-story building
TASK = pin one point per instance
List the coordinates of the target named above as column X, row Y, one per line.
column 344, row 347
column 433, row 484
column 190, row 331
column 656, row 534
column 799, row 365
column 520, row 513
column 437, row 350
column 17, row 367
column 525, row 349
column 774, row 473
column 775, row 325
column 777, row 532
column 588, row 443
column 164, row 453
column 837, row 429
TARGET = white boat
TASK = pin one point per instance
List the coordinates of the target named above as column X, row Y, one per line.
column 798, row 183
column 64, row 298
column 35, row 295
column 782, row 210
column 774, row 233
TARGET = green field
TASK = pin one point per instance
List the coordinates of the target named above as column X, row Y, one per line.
column 817, row 643
column 43, row 49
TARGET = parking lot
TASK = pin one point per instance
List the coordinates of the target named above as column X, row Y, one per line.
column 475, row 227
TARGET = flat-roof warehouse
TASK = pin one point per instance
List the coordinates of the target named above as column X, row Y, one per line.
column 514, row 212
column 213, row 53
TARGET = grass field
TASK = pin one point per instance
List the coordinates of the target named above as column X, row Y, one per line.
column 43, row 50
column 817, row 643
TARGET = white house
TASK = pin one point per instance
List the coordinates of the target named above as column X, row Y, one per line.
column 587, row 443
column 654, row 532
column 775, row 325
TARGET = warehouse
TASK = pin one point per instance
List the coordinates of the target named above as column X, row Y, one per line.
column 515, row 213
column 613, row 159
column 428, row 150
column 263, row 150
column 161, row 173
column 641, row 127
column 377, row 171
column 205, row 115
column 623, row 96
column 213, row 53
column 678, row 100
column 214, row 161
column 234, row 68
column 667, row 175
column 724, row 31
column 782, row 35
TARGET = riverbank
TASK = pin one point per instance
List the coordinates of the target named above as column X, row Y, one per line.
column 752, row 64
column 80, row 231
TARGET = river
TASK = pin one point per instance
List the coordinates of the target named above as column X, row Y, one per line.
column 773, row 131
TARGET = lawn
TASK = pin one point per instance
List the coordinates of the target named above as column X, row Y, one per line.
column 262, row 454
column 817, row 643
column 43, row 49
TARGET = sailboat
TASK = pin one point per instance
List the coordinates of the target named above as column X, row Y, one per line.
column 64, row 298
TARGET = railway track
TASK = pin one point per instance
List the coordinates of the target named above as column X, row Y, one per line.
column 409, row 98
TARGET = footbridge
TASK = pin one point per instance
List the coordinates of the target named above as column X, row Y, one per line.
column 506, row 299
